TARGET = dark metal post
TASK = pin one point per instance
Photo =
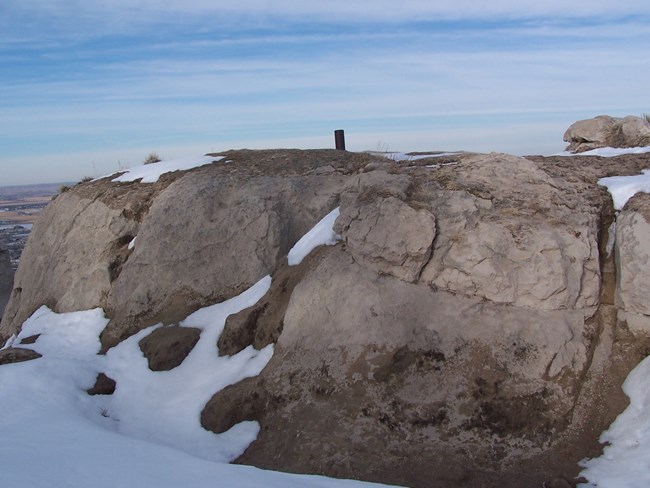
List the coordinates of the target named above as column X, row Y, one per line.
column 339, row 139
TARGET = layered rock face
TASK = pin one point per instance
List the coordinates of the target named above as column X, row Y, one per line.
column 471, row 328
column 6, row 279
column 606, row 131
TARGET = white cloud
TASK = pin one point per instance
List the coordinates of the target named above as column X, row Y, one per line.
column 203, row 81
column 77, row 19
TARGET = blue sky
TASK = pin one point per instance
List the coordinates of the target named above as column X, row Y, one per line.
column 88, row 88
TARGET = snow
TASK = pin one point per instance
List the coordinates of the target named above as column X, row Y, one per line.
column 401, row 156
column 622, row 188
column 13, row 226
column 148, row 432
column 149, row 173
column 625, row 463
column 608, row 152
column 321, row 234
column 132, row 243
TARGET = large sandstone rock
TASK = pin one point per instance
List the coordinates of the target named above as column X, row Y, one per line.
column 464, row 332
column 606, row 131
column 6, row 279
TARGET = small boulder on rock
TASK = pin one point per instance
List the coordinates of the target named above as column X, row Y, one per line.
column 606, row 131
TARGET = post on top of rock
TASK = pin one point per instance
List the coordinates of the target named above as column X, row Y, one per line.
column 339, row 139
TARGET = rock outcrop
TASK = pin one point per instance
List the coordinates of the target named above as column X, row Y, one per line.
column 606, row 131
column 6, row 279
column 471, row 328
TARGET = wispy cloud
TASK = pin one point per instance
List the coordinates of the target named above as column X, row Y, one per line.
column 110, row 76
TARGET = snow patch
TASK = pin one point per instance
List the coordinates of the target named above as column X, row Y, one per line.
column 321, row 234
column 608, row 152
column 624, row 463
column 622, row 188
column 149, row 173
column 401, row 156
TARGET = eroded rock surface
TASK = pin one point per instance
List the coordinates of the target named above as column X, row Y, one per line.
column 471, row 329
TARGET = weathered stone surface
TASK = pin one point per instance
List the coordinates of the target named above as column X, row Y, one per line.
column 6, row 279
column 606, row 131
column 633, row 262
column 386, row 235
column 519, row 243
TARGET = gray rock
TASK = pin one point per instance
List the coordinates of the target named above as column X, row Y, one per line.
column 606, row 131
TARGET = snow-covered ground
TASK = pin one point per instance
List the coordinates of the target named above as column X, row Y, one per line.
column 148, row 433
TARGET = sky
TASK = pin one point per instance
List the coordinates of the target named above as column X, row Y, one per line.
column 89, row 88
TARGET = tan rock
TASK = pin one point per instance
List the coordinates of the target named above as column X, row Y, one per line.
column 606, row 131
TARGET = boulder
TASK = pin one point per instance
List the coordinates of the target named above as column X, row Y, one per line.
column 468, row 330
column 606, row 131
